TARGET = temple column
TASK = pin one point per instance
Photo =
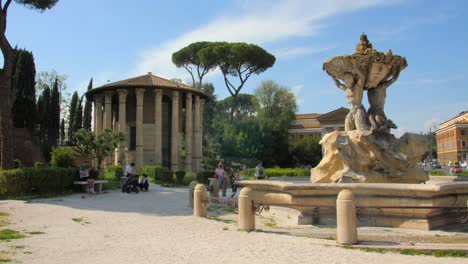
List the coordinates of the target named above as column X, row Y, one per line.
column 140, row 92
column 108, row 110
column 200, row 141
column 158, row 126
column 175, row 132
column 121, row 156
column 188, row 132
column 97, row 113
column 196, row 134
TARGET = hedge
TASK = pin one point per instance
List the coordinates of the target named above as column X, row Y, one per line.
column 114, row 172
column 37, row 180
column 277, row 172
column 155, row 172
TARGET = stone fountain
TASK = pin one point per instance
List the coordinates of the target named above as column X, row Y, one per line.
column 366, row 151
column 368, row 160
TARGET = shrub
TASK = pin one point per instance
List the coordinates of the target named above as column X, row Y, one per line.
column 166, row 176
column 277, row 172
column 36, row 180
column 63, row 157
column 189, row 177
column 17, row 164
column 38, row 164
column 154, row 172
column 202, row 176
column 114, row 172
column 180, row 177
column 93, row 173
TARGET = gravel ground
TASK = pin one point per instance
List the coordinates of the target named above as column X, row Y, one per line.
column 157, row 227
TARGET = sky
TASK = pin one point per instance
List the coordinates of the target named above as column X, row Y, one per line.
column 111, row 40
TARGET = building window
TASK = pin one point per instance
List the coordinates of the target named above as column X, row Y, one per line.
column 463, row 132
column 132, row 138
column 463, row 144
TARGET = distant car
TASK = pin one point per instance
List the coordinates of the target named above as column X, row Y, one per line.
column 435, row 165
column 456, row 169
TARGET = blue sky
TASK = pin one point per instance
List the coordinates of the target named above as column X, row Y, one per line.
column 116, row 39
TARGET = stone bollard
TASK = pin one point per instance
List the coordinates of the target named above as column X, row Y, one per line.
column 246, row 213
column 191, row 189
column 346, row 226
column 214, row 189
column 200, row 201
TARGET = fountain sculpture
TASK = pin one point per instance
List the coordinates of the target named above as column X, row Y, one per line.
column 366, row 151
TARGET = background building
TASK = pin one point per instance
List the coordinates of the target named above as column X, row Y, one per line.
column 157, row 116
column 317, row 125
column 452, row 139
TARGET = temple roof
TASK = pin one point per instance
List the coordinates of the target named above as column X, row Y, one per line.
column 146, row 81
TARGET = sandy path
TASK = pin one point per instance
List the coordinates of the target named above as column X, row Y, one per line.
column 157, row 227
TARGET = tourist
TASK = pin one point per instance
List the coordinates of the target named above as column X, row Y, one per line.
column 219, row 173
column 225, row 181
column 259, row 171
column 235, row 177
column 130, row 170
column 143, row 182
column 84, row 176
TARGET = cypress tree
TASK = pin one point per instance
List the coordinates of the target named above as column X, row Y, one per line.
column 23, row 93
column 43, row 109
column 54, row 116
column 87, row 109
column 62, row 131
column 72, row 116
column 78, row 116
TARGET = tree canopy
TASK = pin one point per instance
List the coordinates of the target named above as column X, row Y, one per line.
column 189, row 58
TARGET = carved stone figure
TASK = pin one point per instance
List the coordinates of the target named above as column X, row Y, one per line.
column 354, row 89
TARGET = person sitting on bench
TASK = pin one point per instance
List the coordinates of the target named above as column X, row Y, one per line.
column 84, row 176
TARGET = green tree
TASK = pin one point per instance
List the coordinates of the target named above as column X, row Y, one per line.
column 306, row 151
column 237, row 61
column 6, row 149
column 72, row 109
column 189, row 59
column 277, row 108
column 50, row 79
column 87, row 110
column 43, row 109
column 62, row 131
column 79, row 116
column 23, row 89
column 54, row 116
column 98, row 147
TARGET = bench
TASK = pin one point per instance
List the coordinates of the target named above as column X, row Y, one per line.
column 97, row 185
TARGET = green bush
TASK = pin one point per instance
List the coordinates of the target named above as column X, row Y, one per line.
column 63, row 157
column 189, row 177
column 202, row 176
column 166, row 176
column 114, row 172
column 154, row 172
column 37, row 180
column 93, row 173
column 180, row 177
column 17, row 164
column 38, row 164
column 277, row 172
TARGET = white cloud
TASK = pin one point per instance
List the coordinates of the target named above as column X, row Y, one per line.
column 296, row 90
column 399, row 132
column 258, row 22
column 432, row 124
column 287, row 53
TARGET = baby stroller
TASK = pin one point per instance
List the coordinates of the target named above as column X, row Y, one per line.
column 131, row 185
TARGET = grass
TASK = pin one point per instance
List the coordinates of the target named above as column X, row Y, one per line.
column 272, row 223
column 4, row 260
column 7, row 234
column 225, row 228
column 80, row 221
column 414, row 252
column 36, row 233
